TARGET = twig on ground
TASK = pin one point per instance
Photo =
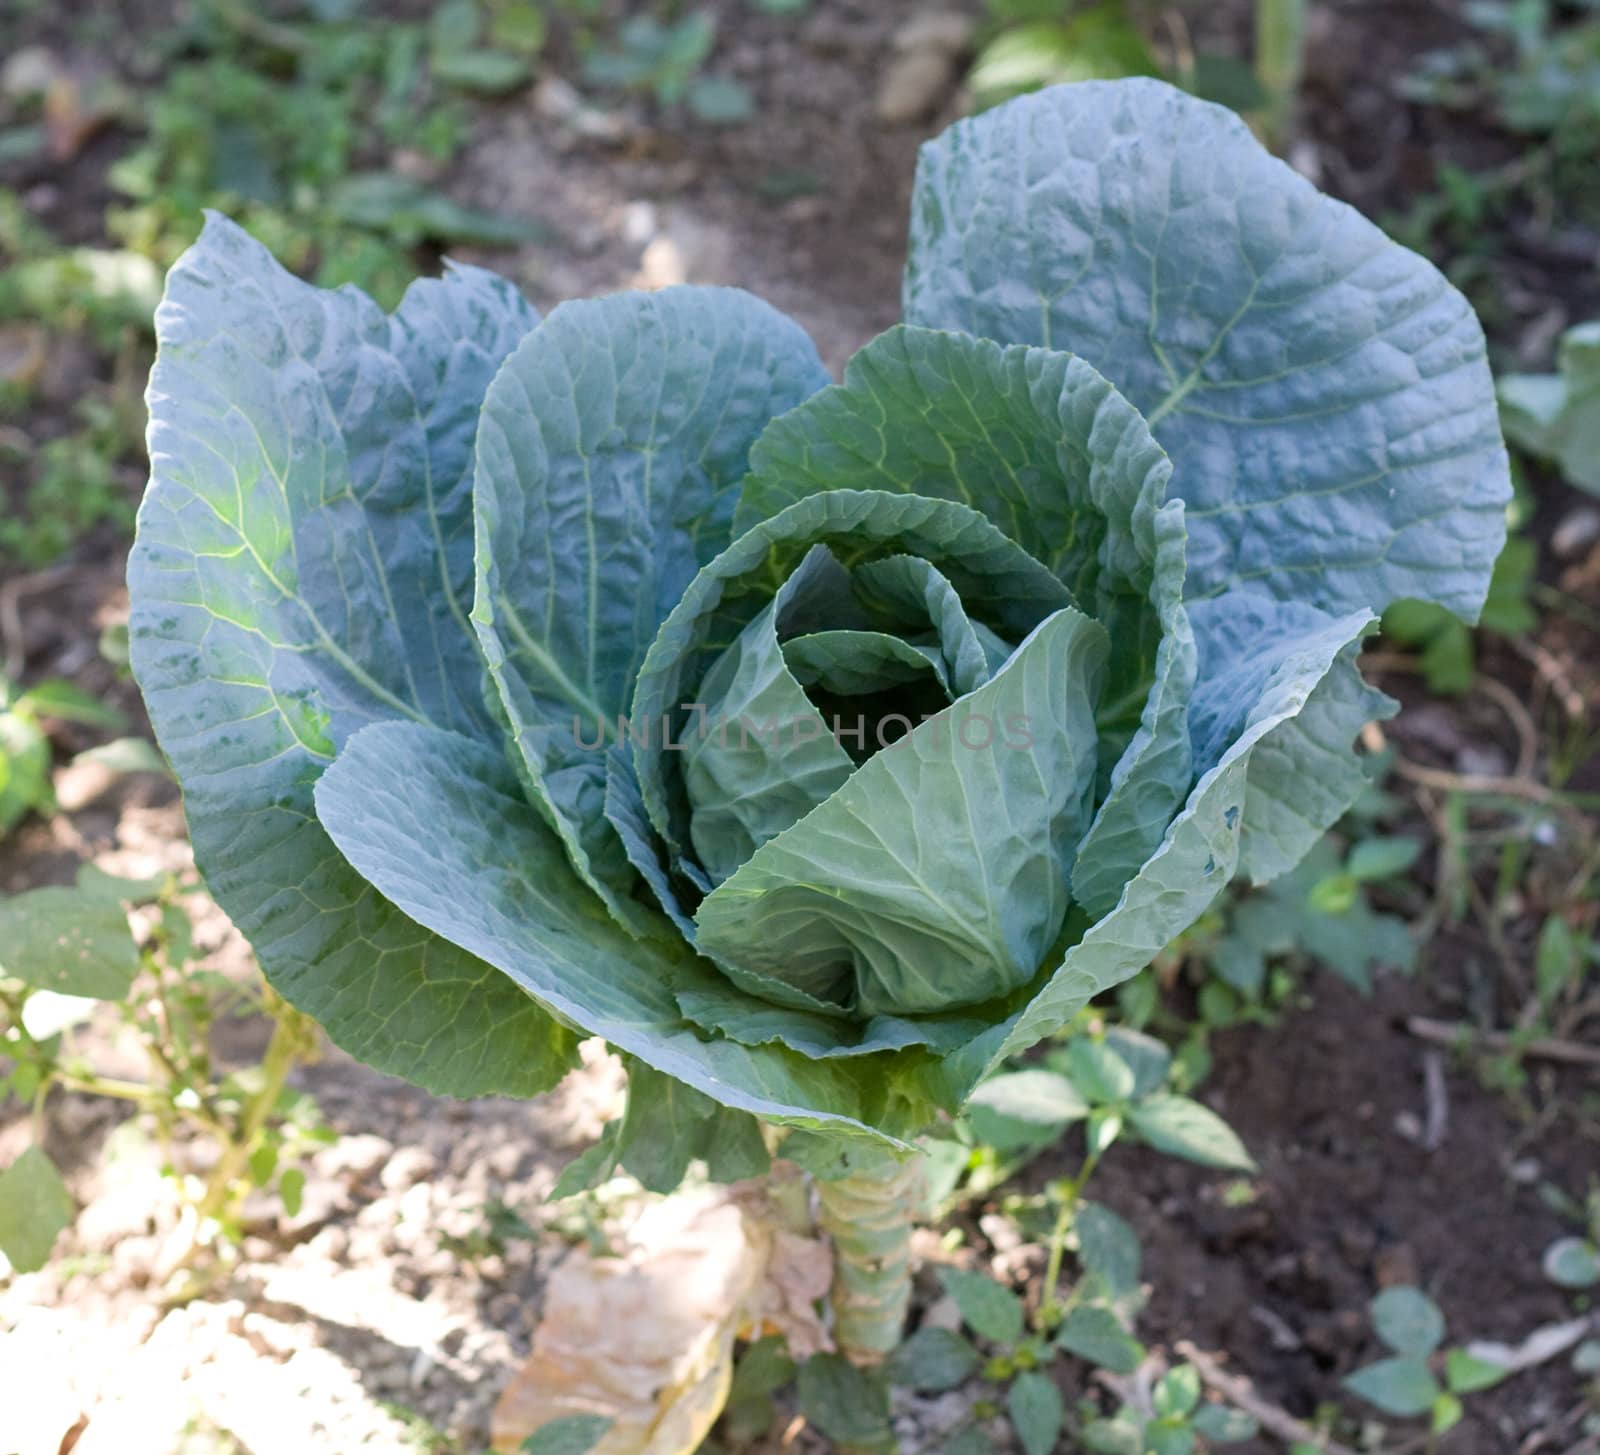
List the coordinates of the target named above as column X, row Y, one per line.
column 1238, row 1391
column 1437, row 1121
column 1546, row 1048
column 1553, row 674
column 1487, row 784
column 1551, row 1435
column 1521, row 720
column 1541, row 1346
column 12, row 649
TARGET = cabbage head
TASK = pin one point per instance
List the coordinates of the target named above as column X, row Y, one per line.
column 818, row 746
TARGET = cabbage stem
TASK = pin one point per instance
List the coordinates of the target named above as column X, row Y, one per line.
column 869, row 1215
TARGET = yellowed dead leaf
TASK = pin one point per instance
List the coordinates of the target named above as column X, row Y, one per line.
column 647, row 1339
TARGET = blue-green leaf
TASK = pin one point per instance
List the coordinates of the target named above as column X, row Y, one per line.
column 1408, row 1321
column 303, row 568
column 568, row 1435
column 1039, row 442
column 1400, row 1386
column 1023, row 1109
column 34, row 1207
column 612, row 444
column 999, row 583
column 1573, row 1263
column 936, row 877
column 1094, row 1333
column 1108, row 1247
column 933, row 1360
column 498, row 885
column 1184, row 1128
column 1196, row 858
column 1324, row 393
column 993, row 1312
column 71, row 941
column 1037, row 1411
column 1098, row 1071
column 847, row 1404
column 761, row 757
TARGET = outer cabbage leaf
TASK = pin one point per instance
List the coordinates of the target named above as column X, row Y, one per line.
column 1304, row 775
column 938, row 873
column 1198, row 855
column 499, row 886
column 1323, row 392
column 611, row 448
column 1153, row 775
column 301, row 570
column 1037, row 441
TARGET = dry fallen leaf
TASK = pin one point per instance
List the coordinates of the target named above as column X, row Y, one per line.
column 647, row 1338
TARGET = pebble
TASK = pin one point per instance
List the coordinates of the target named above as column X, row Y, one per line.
column 928, row 50
column 406, row 1168
column 1482, row 758
column 1001, row 1232
column 353, row 1159
column 662, row 265
column 640, row 223
column 913, row 84
column 948, row 31
column 1579, row 529
column 28, row 71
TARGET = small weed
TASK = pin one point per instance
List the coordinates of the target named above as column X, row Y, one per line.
column 1419, row 1379
column 68, row 950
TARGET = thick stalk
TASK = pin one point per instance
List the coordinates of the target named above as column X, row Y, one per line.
column 869, row 1215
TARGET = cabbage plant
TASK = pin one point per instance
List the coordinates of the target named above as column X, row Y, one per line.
column 818, row 746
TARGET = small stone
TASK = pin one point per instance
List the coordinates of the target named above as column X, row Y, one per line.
column 406, row 1168
column 640, row 223
column 331, row 1243
column 321, row 1201
column 426, row 1361
column 1482, row 759
column 942, row 1313
column 416, row 1207
column 662, row 265
column 556, row 99
column 23, row 349
column 28, row 72
column 354, row 1159
column 913, row 84
column 419, row 166
column 1001, row 1232
column 507, row 1160
column 1579, row 529
column 946, row 31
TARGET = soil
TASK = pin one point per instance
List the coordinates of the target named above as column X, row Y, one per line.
column 341, row 1320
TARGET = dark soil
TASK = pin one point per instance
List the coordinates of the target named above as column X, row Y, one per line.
column 1348, row 1203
